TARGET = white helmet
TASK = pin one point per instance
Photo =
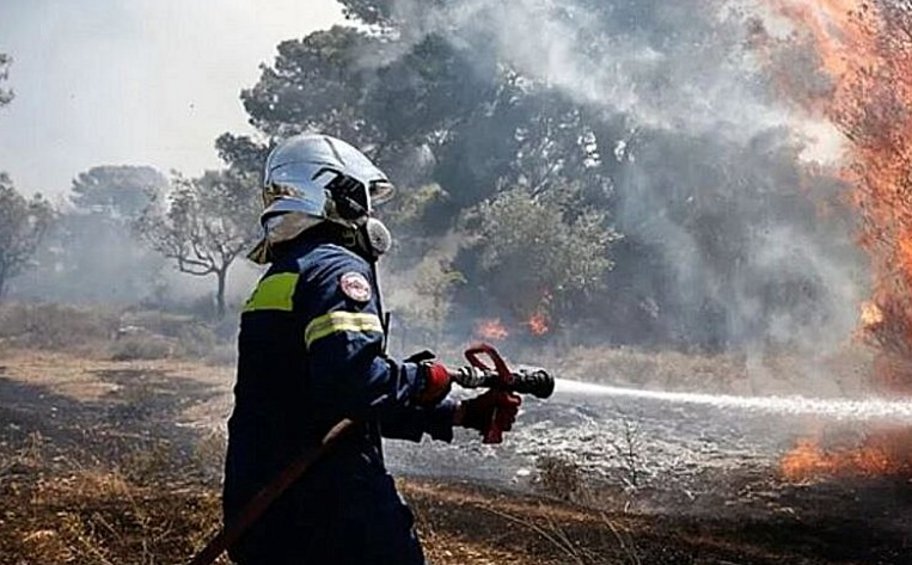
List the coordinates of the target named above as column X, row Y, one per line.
column 314, row 178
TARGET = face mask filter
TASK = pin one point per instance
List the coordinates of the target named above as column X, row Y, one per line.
column 377, row 236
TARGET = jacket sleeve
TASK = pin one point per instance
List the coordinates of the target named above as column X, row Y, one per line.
column 412, row 423
column 349, row 375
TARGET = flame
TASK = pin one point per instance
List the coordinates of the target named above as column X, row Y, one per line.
column 492, row 329
column 866, row 50
column 538, row 324
column 871, row 315
column 884, row 453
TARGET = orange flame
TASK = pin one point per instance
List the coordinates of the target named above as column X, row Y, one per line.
column 492, row 329
column 886, row 453
column 871, row 315
column 866, row 50
column 538, row 324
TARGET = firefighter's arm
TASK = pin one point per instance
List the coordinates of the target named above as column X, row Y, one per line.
column 413, row 422
column 350, row 376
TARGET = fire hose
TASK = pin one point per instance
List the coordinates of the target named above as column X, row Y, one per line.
column 492, row 373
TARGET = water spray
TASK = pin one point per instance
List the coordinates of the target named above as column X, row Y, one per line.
column 863, row 409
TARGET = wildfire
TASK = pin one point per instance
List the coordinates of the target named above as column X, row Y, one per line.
column 871, row 315
column 538, row 324
column 886, row 453
column 866, row 50
column 492, row 329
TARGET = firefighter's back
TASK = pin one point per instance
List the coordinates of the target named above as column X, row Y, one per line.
column 346, row 510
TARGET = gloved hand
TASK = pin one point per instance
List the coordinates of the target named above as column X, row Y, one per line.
column 436, row 377
column 487, row 410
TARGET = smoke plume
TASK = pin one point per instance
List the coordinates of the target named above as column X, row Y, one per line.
column 713, row 171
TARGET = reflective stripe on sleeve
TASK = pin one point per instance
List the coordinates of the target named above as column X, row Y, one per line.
column 336, row 322
column 273, row 293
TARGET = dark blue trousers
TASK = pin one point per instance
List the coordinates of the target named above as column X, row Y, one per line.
column 346, row 510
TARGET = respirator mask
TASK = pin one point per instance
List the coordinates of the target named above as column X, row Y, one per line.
column 373, row 238
column 352, row 202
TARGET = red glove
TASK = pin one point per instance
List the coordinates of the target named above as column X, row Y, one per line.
column 492, row 409
column 437, row 383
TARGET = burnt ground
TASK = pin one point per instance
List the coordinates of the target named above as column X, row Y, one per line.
column 126, row 476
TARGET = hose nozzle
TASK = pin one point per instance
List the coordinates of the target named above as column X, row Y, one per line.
column 525, row 380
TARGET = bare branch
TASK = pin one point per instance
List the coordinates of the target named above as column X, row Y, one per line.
column 209, row 221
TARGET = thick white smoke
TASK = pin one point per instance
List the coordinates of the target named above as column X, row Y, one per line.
column 706, row 137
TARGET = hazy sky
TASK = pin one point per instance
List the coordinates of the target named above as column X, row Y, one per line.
column 134, row 81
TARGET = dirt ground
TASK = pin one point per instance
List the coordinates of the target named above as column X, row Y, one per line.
column 101, row 462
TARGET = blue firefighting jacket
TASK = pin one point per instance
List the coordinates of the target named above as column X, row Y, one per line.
column 311, row 354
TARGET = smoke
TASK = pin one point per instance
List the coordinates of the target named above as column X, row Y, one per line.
column 716, row 173
column 685, row 65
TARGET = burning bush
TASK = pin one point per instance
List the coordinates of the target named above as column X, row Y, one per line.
column 864, row 50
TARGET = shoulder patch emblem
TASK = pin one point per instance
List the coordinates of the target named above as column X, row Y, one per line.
column 355, row 286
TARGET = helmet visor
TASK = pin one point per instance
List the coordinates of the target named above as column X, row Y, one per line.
column 381, row 192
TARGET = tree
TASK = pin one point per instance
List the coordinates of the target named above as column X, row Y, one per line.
column 120, row 192
column 6, row 96
column 91, row 253
column 434, row 284
column 318, row 83
column 205, row 224
column 23, row 223
column 242, row 153
column 620, row 108
column 541, row 256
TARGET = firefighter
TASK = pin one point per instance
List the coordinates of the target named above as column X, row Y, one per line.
column 311, row 352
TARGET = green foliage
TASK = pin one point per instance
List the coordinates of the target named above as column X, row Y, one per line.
column 371, row 12
column 542, row 253
column 409, row 207
column 6, row 96
column 241, row 153
column 117, row 191
column 551, row 128
column 206, row 223
column 435, row 281
column 482, row 126
column 23, row 223
column 318, row 83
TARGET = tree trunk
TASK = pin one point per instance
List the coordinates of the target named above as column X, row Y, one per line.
column 2, row 284
column 222, row 275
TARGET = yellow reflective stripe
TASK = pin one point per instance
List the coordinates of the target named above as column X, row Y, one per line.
column 273, row 293
column 335, row 322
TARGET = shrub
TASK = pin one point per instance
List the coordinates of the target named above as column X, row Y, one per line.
column 53, row 326
column 141, row 347
column 559, row 476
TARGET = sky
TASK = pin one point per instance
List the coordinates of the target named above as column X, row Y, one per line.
column 142, row 82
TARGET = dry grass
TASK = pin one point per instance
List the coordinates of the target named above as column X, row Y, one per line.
column 120, row 335
column 57, row 509
column 136, row 491
column 75, row 376
column 56, row 327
